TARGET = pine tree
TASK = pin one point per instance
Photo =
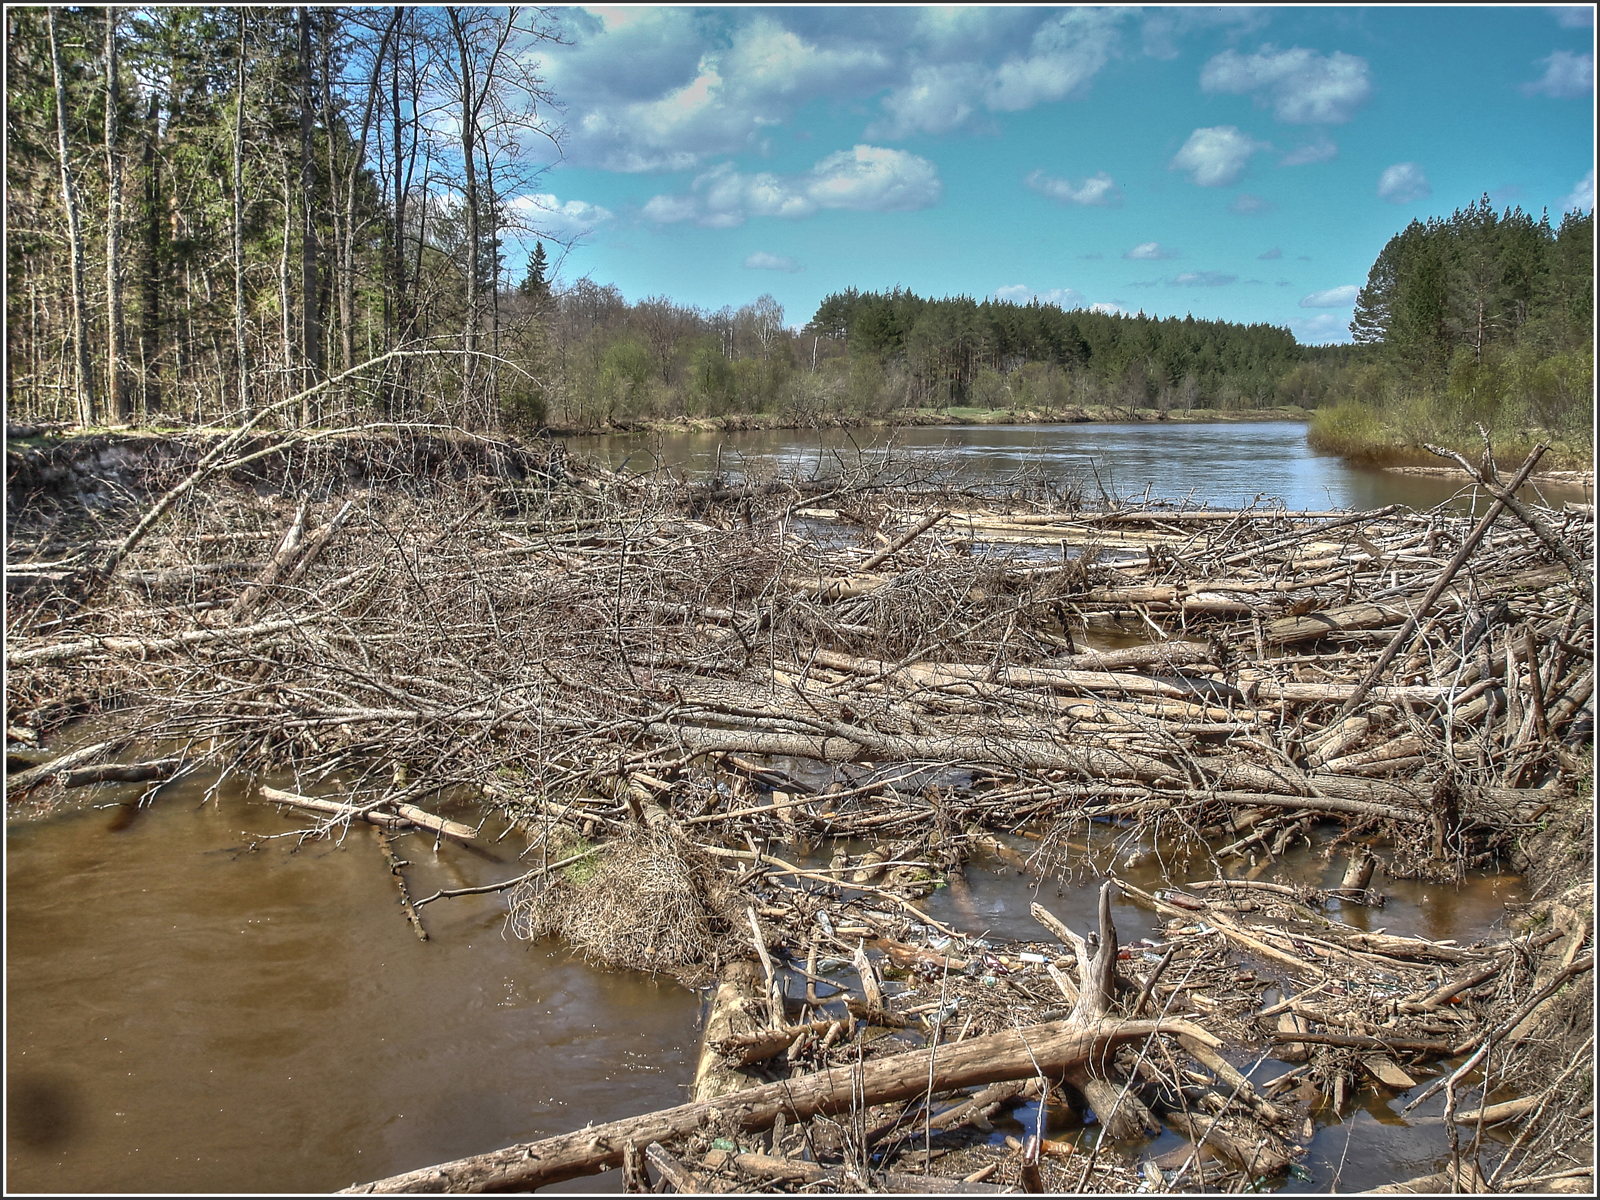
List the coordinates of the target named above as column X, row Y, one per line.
column 536, row 286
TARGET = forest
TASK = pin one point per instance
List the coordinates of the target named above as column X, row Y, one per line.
column 1474, row 318
column 213, row 212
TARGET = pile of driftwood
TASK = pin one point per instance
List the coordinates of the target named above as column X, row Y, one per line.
column 656, row 680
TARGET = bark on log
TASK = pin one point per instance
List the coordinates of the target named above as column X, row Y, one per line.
column 69, row 651
column 1016, row 1054
column 848, row 743
column 766, row 1166
column 1265, row 1156
column 734, row 1014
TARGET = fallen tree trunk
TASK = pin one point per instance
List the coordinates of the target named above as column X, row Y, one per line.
column 1049, row 1049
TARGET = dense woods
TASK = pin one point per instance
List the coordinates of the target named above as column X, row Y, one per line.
column 213, row 210
column 1476, row 318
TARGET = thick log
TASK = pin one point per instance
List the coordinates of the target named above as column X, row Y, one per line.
column 849, row 743
column 1463, row 1179
column 288, row 551
column 25, row 781
column 1016, row 1054
column 735, row 1013
column 141, row 647
column 1265, row 1156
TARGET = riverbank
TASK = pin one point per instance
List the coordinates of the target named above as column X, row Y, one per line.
column 1071, row 415
column 1363, row 436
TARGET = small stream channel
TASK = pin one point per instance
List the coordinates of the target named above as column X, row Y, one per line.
column 198, row 1003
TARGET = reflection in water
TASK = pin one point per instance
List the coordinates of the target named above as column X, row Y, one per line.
column 1222, row 465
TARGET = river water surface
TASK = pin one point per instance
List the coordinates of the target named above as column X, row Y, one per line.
column 1221, row 465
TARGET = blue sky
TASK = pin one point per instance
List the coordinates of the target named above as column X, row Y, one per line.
column 1245, row 164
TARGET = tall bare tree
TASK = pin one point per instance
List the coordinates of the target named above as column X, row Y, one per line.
column 69, row 199
column 116, row 332
column 310, row 285
column 241, row 350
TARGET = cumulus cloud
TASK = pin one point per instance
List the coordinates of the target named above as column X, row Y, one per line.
column 1320, row 330
column 1164, row 27
column 1275, row 252
column 865, row 179
column 1202, row 279
column 1098, row 191
column 1565, row 75
column 1301, row 86
column 674, row 103
column 762, row 261
column 1247, row 205
column 1581, row 197
column 1404, row 183
column 1216, row 156
column 1109, row 309
column 1322, row 149
column 1150, row 250
column 1021, row 293
column 1339, row 297
column 561, row 220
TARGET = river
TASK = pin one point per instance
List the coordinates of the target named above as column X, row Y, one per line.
column 198, row 1003
column 1220, row 465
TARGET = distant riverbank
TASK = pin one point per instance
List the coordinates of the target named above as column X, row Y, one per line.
column 899, row 418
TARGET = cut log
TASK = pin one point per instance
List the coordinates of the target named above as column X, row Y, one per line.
column 402, row 816
column 1495, row 1114
column 1264, row 1155
column 1015, row 1054
column 1387, row 1072
column 1464, row 1179
column 735, row 1009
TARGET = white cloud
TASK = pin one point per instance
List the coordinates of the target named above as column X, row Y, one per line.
column 1202, row 279
column 762, row 261
column 1247, row 205
column 865, row 179
column 1098, row 191
column 1163, row 27
column 1109, row 309
column 1321, row 330
column 1301, row 86
column 1572, row 16
column 1150, row 250
column 1566, row 75
column 1321, row 150
column 1216, row 156
column 1404, row 183
column 1062, row 56
column 1339, row 297
column 1021, row 293
column 654, row 98
column 549, row 215
column 1581, row 197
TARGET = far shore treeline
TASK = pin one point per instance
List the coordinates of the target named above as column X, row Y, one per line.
column 213, row 210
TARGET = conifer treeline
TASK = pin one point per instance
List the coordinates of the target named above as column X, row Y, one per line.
column 1475, row 318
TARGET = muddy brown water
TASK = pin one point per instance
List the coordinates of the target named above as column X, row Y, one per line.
column 196, row 1005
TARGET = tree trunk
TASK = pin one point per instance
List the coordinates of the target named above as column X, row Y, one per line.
column 69, row 199
column 116, row 351
column 469, row 139
column 241, row 358
column 310, row 287
column 150, row 306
